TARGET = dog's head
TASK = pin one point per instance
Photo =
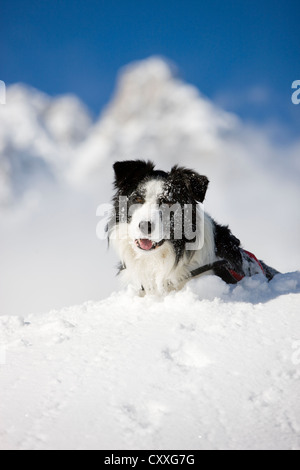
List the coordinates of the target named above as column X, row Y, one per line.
column 157, row 206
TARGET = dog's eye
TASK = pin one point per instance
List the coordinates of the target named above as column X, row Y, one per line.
column 139, row 200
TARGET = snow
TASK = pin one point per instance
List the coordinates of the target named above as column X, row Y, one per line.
column 210, row 367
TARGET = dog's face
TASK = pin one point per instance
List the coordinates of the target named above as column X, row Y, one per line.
column 156, row 206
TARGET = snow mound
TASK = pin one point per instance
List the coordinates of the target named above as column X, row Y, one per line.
column 210, row 367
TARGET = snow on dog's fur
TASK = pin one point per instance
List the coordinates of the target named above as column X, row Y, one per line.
column 161, row 232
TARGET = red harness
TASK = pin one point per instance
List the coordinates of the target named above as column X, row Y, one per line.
column 238, row 276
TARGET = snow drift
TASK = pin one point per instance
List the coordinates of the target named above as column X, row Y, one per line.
column 210, row 367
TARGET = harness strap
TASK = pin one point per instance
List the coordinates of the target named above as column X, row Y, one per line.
column 223, row 263
column 208, row 267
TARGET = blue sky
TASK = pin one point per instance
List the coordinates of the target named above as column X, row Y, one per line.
column 242, row 54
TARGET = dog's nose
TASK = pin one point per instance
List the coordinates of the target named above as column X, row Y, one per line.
column 146, row 227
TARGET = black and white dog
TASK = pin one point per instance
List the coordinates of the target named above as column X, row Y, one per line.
column 163, row 236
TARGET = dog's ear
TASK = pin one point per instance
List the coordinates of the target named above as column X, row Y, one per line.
column 196, row 184
column 131, row 172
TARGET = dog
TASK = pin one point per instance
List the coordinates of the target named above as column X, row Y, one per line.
column 164, row 237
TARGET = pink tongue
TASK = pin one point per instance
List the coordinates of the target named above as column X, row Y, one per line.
column 146, row 244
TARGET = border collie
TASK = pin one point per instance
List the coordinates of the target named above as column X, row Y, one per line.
column 163, row 236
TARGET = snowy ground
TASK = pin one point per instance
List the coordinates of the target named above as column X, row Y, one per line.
column 210, row 367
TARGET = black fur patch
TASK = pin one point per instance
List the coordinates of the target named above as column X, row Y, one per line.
column 228, row 247
column 195, row 185
column 129, row 174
